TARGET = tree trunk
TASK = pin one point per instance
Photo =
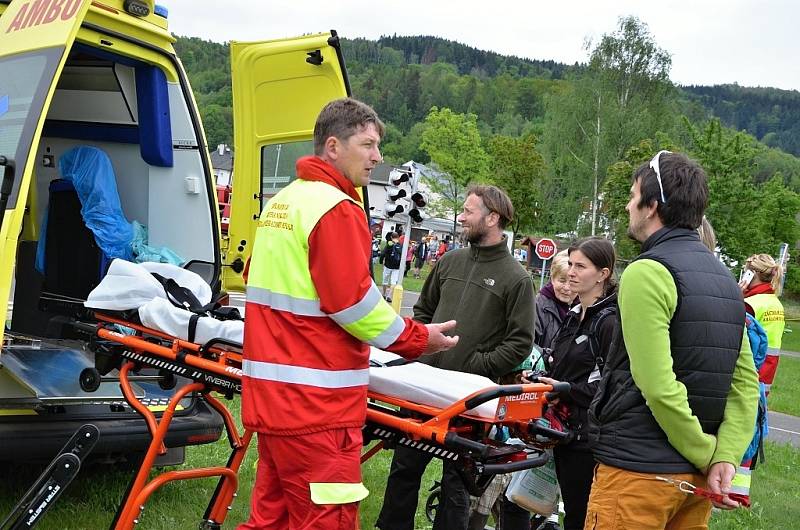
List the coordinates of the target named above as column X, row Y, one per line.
column 596, row 167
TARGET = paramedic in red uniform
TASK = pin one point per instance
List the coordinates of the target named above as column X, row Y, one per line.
column 313, row 311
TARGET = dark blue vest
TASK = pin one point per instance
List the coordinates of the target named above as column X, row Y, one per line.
column 705, row 338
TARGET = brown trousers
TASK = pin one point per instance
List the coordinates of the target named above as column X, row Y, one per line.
column 627, row 500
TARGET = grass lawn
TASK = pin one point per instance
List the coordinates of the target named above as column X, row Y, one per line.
column 92, row 499
column 409, row 282
column 774, row 493
column 785, row 393
column 791, row 336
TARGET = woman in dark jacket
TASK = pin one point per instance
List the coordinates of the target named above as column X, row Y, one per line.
column 553, row 302
column 578, row 354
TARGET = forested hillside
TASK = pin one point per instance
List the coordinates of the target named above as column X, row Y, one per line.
column 388, row 74
column 770, row 114
column 563, row 139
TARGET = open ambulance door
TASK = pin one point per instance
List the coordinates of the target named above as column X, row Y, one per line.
column 35, row 39
column 279, row 88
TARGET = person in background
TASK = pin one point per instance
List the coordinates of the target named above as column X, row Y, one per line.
column 412, row 245
column 578, row 355
column 707, row 235
column 311, row 320
column 433, row 247
column 420, row 255
column 553, row 302
column 762, row 302
column 444, row 246
column 679, row 391
column 390, row 258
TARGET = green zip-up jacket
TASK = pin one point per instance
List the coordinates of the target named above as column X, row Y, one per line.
column 490, row 295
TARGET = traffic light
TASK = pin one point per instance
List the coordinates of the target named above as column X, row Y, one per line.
column 418, row 202
column 392, row 193
column 399, row 176
column 391, row 208
column 398, row 181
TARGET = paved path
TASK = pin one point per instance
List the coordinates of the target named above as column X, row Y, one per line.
column 784, row 428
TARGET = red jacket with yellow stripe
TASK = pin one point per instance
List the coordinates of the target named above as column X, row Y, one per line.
column 313, row 309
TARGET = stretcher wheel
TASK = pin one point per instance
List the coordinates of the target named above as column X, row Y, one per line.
column 89, row 379
column 433, row 501
column 167, row 380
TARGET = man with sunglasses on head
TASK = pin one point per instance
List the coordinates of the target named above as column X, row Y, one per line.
column 679, row 393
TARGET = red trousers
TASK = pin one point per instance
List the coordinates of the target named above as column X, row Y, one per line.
column 288, row 465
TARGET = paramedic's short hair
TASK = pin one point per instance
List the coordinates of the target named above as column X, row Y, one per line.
column 343, row 118
column 560, row 265
column 495, row 200
column 685, row 190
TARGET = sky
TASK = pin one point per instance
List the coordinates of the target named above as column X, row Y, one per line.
column 752, row 43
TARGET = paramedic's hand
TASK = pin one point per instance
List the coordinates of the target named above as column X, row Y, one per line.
column 437, row 340
column 719, row 480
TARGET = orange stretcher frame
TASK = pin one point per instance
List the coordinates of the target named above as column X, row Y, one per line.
column 214, row 367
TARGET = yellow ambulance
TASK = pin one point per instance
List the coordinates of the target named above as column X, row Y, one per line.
column 100, row 135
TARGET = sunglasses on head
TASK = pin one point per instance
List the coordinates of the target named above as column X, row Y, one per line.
column 657, row 169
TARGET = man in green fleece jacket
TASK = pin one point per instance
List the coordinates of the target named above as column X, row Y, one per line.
column 491, row 297
column 679, row 393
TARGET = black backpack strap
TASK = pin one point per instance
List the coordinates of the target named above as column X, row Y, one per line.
column 594, row 334
column 227, row 313
column 181, row 296
column 192, row 326
column 760, row 419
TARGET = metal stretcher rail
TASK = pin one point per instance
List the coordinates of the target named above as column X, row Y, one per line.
column 454, row 432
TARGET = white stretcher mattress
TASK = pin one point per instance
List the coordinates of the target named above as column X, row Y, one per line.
column 129, row 286
column 420, row 383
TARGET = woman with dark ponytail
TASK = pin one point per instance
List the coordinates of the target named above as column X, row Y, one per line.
column 578, row 355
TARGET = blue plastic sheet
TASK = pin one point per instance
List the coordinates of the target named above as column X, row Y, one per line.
column 92, row 175
column 145, row 252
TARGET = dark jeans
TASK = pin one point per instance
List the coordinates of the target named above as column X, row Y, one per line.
column 402, row 494
column 575, row 471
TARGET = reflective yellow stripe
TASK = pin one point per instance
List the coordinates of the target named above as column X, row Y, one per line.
column 379, row 328
column 284, row 302
column 360, row 309
column 301, row 375
column 741, row 481
column 337, row 492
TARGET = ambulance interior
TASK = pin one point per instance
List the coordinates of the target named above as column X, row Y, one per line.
column 133, row 114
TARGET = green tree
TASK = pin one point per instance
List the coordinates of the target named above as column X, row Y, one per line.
column 454, row 145
column 620, row 99
column 518, row 167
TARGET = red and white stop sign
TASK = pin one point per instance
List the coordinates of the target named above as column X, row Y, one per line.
column 546, row 248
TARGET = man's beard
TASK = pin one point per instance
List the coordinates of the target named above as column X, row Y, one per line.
column 477, row 234
column 634, row 232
